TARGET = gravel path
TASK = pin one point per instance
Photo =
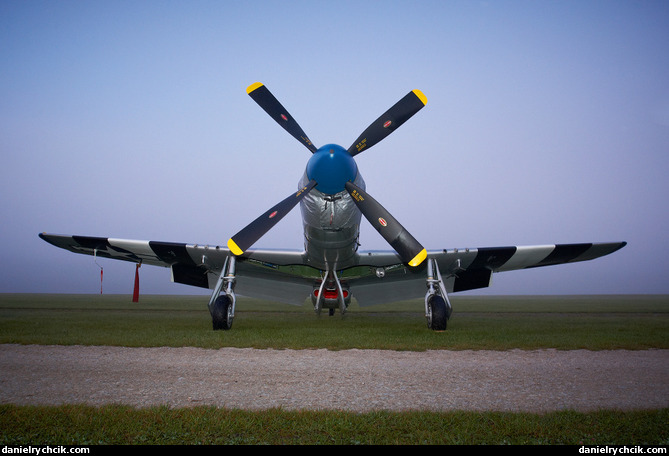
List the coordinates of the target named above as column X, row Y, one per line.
column 353, row 380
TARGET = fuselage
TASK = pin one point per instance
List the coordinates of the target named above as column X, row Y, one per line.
column 330, row 218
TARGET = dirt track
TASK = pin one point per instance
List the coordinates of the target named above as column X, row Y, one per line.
column 354, row 380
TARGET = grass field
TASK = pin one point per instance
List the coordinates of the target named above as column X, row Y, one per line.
column 495, row 323
column 120, row 425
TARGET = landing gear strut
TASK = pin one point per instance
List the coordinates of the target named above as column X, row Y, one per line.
column 437, row 305
column 331, row 293
column 222, row 306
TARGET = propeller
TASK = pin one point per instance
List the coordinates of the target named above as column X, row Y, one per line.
column 408, row 248
column 257, row 228
column 334, row 168
column 389, row 121
column 276, row 111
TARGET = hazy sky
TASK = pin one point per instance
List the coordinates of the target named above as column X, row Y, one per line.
column 546, row 122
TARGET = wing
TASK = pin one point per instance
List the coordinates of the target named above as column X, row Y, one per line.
column 284, row 276
column 266, row 274
column 387, row 279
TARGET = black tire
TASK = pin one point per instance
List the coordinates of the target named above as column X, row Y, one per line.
column 439, row 313
column 220, row 313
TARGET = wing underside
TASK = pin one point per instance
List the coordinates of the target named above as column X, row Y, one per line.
column 466, row 269
column 277, row 275
column 285, row 276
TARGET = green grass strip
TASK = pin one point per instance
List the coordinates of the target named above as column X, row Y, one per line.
column 493, row 323
column 121, row 425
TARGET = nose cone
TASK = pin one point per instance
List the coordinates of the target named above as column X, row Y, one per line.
column 331, row 167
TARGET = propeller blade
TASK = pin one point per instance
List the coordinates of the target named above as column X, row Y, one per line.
column 389, row 121
column 256, row 229
column 271, row 105
column 395, row 234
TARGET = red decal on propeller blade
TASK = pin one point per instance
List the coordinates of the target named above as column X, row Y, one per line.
column 387, row 124
column 273, row 214
column 382, row 221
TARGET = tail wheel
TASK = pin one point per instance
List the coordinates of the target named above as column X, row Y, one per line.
column 438, row 317
column 221, row 313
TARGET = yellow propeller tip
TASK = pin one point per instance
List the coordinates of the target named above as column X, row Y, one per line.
column 253, row 87
column 234, row 248
column 421, row 96
column 418, row 259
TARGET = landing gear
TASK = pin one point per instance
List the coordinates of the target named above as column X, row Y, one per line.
column 222, row 313
column 437, row 317
column 437, row 306
column 330, row 294
column 222, row 306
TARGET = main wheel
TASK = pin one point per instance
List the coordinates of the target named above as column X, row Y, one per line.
column 221, row 313
column 438, row 317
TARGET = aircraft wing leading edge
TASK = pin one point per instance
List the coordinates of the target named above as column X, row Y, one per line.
column 200, row 265
column 285, row 276
column 466, row 269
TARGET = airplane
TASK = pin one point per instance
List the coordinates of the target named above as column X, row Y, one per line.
column 330, row 270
